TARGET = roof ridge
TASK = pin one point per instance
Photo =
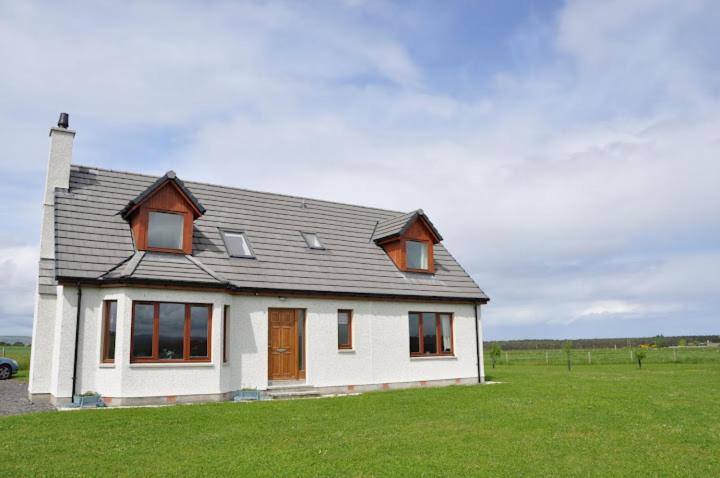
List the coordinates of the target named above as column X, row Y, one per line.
column 235, row 188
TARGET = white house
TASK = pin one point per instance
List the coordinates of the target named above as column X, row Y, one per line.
column 153, row 290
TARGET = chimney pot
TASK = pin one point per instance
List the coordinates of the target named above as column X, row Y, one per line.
column 64, row 121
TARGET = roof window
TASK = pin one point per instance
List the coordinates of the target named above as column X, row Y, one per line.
column 312, row 240
column 237, row 244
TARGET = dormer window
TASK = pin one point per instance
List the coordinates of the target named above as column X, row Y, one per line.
column 161, row 217
column 237, row 244
column 408, row 240
column 417, row 254
column 165, row 230
column 312, row 240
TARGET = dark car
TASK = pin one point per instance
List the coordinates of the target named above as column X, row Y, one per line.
column 8, row 368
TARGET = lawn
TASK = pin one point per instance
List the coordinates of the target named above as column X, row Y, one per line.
column 604, row 420
column 22, row 355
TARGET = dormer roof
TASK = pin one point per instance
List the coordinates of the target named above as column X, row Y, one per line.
column 397, row 226
column 169, row 177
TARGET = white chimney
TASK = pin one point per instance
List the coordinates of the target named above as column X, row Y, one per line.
column 58, row 176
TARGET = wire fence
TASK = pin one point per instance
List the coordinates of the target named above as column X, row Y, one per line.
column 607, row 356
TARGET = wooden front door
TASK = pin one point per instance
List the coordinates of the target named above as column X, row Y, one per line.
column 282, row 344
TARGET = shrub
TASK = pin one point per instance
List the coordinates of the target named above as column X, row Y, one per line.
column 640, row 355
column 495, row 352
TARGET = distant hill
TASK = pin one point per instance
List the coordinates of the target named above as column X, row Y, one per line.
column 528, row 344
column 11, row 339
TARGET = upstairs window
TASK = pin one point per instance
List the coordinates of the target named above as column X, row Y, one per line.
column 312, row 240
column 165, row 230
column 237, row 244
column 417, row 254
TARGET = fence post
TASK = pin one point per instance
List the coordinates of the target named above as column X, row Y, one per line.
column 589, row 358
column 631, row 358
column 547, row 358
column 507, row 360
column 674, row 355
column 3, row 352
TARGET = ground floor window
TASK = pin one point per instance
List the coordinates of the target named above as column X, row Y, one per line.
column 431, row 333
column 109, row 327
column 345, row 329
column 170, row 332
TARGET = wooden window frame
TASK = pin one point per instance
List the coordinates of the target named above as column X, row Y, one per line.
column 183, row 239
column 106, row 331
column 438, row 334
column 348, row 345
column 156, row 334
column 226, row 328
column 428, row 246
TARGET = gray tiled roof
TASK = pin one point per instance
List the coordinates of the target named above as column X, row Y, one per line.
column 93, row 242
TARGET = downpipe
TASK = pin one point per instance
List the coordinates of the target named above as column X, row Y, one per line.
column 77, row 340
column 477, row 342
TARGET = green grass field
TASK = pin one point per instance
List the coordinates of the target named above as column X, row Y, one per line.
column 609, row 356
column 600, row 420
column 22, row 355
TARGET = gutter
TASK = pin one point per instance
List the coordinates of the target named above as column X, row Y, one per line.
column 230, row 287
column 477, row 341
column 77, row 339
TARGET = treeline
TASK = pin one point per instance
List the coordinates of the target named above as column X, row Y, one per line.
column 529, row 344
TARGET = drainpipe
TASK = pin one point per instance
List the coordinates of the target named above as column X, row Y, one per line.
column 77, row 339
column 477, row 342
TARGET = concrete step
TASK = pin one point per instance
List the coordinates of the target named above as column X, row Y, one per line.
column 292, row 393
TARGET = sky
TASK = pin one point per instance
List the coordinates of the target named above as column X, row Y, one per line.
column 569, row 152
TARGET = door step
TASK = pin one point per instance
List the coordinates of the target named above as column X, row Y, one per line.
column 292, row 393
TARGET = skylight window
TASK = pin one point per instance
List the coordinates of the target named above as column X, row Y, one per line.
column 237, row 244
column 312, row 240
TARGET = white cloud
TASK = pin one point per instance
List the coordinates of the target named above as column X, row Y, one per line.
column 582, row 186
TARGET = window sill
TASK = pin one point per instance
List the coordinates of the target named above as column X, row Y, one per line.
column 171, row 364
column 106, row 365
column 346, row 351
column 433, row 357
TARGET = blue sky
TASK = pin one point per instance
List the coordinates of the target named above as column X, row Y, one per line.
column 568, row 151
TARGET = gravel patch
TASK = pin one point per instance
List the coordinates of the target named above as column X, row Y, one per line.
column 14, row 401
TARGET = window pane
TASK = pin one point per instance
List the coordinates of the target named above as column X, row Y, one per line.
column 143, row 330
column 111, row 328
column 429, row 332
column 312, row 240
column 172, row 328
column 343, row 327
column 199, row 318
column 417, row 255
column 446, row 333
column 301, row 338
column 414, row 333
column 237, row 244
column 165, row 230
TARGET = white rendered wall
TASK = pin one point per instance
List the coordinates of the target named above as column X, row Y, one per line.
column 380, row 351
column 43, row 337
